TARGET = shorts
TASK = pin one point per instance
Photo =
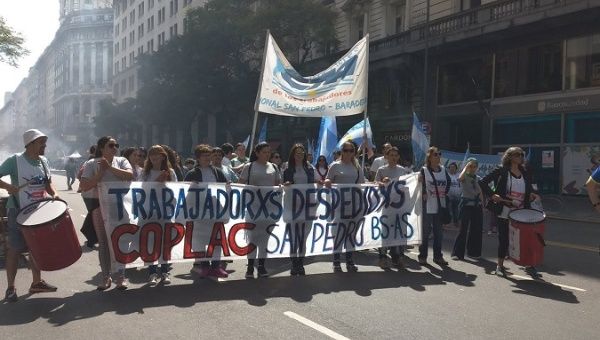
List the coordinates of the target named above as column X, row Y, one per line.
column 15, row 237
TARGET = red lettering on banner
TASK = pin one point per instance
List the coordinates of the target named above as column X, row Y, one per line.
column 240, row 251
column 120, row 256
column 157, row 230
column 188, row 253
column 218, row 238
column 170, row 242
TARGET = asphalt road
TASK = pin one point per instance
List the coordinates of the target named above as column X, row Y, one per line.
column 462, row 301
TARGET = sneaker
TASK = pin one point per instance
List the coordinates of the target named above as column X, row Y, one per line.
column 201, row 271
column 351, row 267
column 218, row 272
column 105, row 284
column 122, row 283
column 422, row 260
column 250, row 272
column 153, row 279
column 384, row 263
column 533, row 272
column 166, row 278
column 11, row 295
column 301, row 271
column 262, row 271
column 440, row 261
column 500, row 271
column 337, row 268
column 41, row 287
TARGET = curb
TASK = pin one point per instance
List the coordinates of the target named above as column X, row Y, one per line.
column 572, row 219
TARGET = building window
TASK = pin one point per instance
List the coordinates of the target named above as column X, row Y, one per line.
column 140, row 31
column 132, row 17
column 171, row 8
column 527, row 130
column 175, row 29
column 141, row 9
column 465, row 81
column 170, row 32
column 131, row 38
column 131, row 58
column 176, row 5
column 124, row 24
column 395, row 18
column 131, row 84
column 117, row 30
column 117, row 47
column 528, row 70
column 582, row 127
column 123, row 87
column 117, row 67
column 150, row 4
column 583, row 62
column 124, row 63
column 358, row 27
column 468, row 4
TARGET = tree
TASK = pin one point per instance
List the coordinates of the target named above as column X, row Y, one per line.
column 11, row 44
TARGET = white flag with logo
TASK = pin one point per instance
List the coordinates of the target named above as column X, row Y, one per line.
column 340, row 90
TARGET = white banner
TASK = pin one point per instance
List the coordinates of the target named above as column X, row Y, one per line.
column 340, row 90
column 150, row 222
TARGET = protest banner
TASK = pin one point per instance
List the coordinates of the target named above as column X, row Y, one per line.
column 152, row 222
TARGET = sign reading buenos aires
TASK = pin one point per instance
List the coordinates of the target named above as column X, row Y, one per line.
column 340, row 90
column 183, row 222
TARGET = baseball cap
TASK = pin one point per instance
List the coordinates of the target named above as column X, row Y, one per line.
column 31, row 135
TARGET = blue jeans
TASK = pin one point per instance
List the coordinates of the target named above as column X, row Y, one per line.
column 431, row 221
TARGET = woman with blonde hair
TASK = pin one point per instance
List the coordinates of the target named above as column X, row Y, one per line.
column 436, row 185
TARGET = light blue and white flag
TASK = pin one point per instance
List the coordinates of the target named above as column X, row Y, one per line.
column 327, row 139
column 420, row 143
column 246, row 142
column 340, row 90
column 355, row 134
column 262, row 135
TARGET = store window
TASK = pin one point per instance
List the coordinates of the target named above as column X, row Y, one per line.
column 527, row 130
column 465, row 81
column 583, row 62
column 582, row 127
column 528, row 70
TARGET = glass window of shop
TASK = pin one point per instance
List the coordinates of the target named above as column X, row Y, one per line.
column 582, row 127
column 583, row 62
column 465, row 81
column 527, row 130
column 527, row 70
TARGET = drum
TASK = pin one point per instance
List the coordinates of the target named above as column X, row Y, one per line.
column 526, row 236
column 50, row 235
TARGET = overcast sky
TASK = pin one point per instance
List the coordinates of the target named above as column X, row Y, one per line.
column 37, row 21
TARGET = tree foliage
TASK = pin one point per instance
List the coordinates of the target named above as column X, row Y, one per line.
column 11, row 44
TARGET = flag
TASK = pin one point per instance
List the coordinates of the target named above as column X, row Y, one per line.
column 246, row 142
column 528, row 155
column 310, row 147
column 340, row 90
column 420, row 143
column 262, row 135
column 327, row 139
column 465, row 157
column 355, row 134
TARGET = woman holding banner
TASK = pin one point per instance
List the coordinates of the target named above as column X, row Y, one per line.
column 106, row 167
column 259, row 172
column 385, row 174
column 298, row 171
column 436, row 185
column 346, row 170
column 158, row 169
column 513, row 190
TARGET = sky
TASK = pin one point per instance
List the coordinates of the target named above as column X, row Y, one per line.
column 37, row 21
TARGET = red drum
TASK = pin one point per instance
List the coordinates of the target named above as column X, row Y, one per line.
column 50, row 235
column 526, row 236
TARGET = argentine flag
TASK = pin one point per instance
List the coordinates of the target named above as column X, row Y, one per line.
column 420, row 143
column 246, row 142
column 262, row 136
column 355, row 134
column 327, row 139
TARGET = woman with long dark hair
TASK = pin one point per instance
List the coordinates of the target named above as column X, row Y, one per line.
column 133, row 155
column 175, row 161
column 343, row 171
column 106, row 167
column 513, row 190
column 259, row 172
column 321, row 168
column 298, row 171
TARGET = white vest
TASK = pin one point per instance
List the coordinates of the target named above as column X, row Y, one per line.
column 32, row 180
column 441, row 181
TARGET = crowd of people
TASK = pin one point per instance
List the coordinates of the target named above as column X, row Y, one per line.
column 450, row 195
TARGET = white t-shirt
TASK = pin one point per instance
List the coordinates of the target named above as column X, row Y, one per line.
column 208, row 175
column 455, row 191
column 300, row 175
column 226, row 161
column 153, row 175
column 515, row 191
column 260, row 175
column 378, row 163
column 91, row 168
column 393, row 173
column 345, row 173
column 441, row 181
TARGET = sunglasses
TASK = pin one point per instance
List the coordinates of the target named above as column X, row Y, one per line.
column 348, row 150
column 113, row 145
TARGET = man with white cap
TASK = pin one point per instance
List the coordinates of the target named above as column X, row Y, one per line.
column 31, row 182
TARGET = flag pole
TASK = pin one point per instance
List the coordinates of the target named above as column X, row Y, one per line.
column 365, row 139
column 262, row 70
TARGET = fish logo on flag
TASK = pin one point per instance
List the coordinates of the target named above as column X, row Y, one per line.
column 340, row 90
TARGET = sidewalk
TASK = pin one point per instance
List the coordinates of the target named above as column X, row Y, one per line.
column 571, row 208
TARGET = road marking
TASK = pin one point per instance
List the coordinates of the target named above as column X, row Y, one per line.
column 573, row 246
column 548, row 282
column 315, row 326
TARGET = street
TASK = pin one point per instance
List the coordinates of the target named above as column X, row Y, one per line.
column 462, row 301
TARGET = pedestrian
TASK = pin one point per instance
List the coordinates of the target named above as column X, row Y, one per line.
column 276, row 159
column 204, row 172
column 31, row 181
column 513, row 191
column 71, row 172
column 259, row 172
column 217, row 161
column 299, row 171
column 436, row 185
column 91, row 203
column 188, row 165
column 592, row 189
column 106, row 167
column 227, row 149
column 321, row 169
column 175, row 162
column 158, row 169
column 381, row 160
column 345, row 171
column 454, row 194
column 240, row 158
column 391, row 171
column 133, row 155
column 471, row 218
